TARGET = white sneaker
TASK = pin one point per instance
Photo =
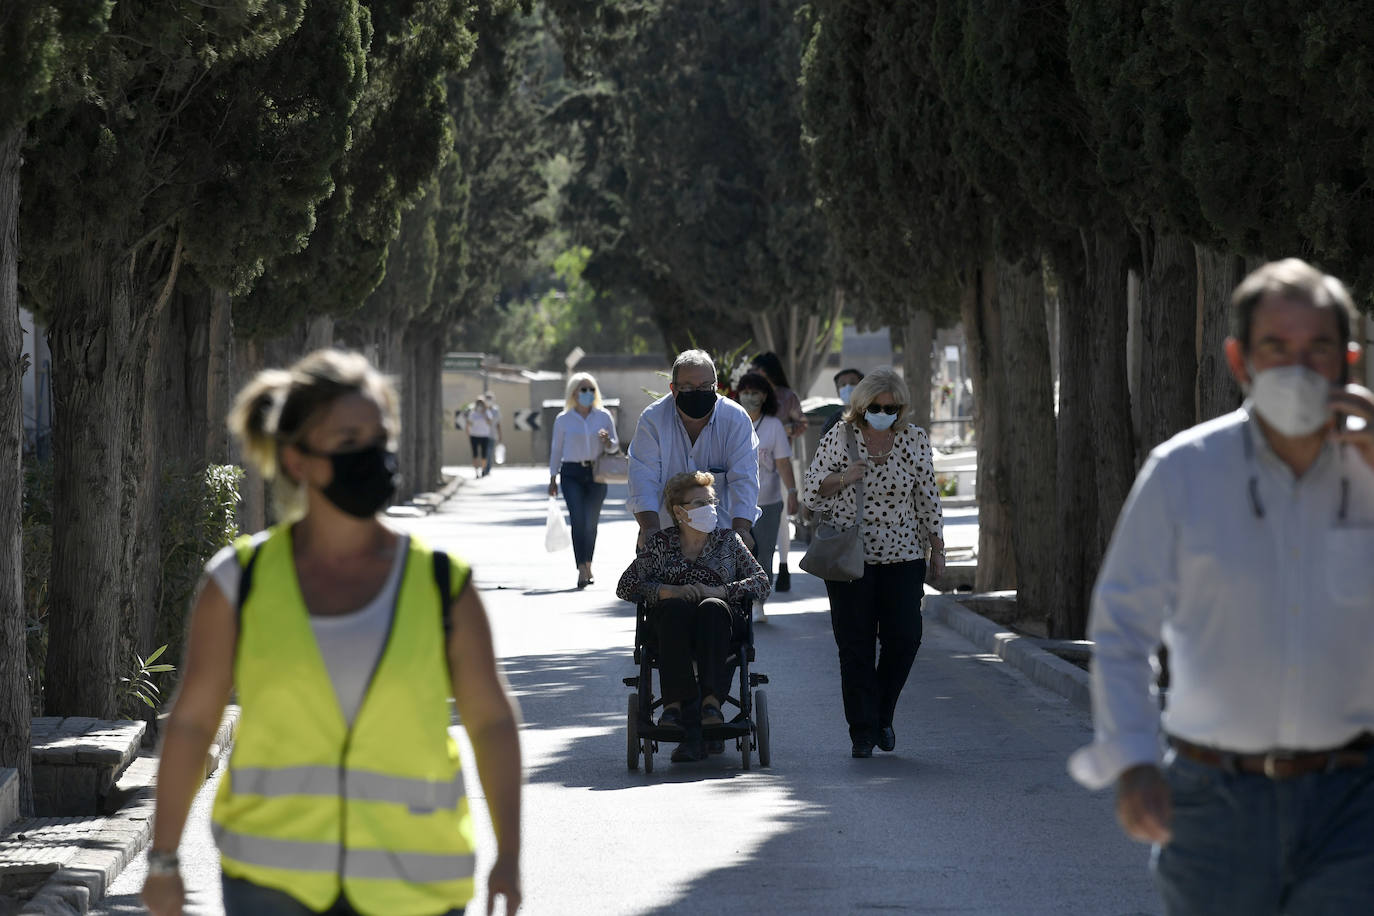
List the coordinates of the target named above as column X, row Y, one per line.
column 759, row 615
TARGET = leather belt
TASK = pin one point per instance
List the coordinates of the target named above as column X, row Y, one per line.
column 1279, row 765
column 585, row 464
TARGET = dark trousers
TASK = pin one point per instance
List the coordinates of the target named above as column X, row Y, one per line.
column 584, row 497
column 689, row 633
column 881, row 609
column 244, row 898
column 1243, row 843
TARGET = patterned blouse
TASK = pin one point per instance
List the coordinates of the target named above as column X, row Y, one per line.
column 901, row 503
column 724, row 561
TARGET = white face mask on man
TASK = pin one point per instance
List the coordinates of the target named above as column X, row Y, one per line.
column 702, row 518
column 1294, row 400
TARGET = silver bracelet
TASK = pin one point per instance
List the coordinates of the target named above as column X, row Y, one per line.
column 163, row 864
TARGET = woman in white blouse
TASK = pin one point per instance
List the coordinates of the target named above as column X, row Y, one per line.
column 902, row 525
column 777, row 483
column 583, row 431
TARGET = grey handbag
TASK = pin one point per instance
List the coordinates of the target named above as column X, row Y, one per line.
column 611, row 467
column 837, row 554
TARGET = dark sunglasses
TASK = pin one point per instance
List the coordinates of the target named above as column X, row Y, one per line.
column 890, row 409
column 592, row 390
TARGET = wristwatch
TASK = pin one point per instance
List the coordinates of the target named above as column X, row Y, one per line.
column 163, row 864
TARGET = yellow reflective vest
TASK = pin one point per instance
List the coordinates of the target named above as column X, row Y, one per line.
column 316, row 808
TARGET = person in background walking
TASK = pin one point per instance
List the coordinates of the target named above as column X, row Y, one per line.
column 902, row 525
column 582, row 432
column 789, row 411
column 494, row 418
column 345, row 791
column 480, row 435
column 695, row 578
column 1245, row 548
column 693, row 428
column 777, row 484
column 845, row 382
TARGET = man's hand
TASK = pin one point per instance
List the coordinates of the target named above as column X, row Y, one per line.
column 746, row 534
column 936, row 567
column 1356, row 401
column 1144, row 805
column 690, row 593
column 553, row 488
column 504, row 880
column 163, row 895
column 792, row 504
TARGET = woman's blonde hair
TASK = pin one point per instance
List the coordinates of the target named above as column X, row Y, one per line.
column 880, row 381
column 680, row 484
column 576, row 382
column 279, row 406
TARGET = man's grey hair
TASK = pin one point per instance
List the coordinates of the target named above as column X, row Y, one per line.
column 1290, row 278
column 693, row 358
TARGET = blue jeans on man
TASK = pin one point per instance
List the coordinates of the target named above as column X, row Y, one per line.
column 1247, row 844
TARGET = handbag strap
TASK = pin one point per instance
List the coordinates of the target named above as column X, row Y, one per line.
column 858, row 486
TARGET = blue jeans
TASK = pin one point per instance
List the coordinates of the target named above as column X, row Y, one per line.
column 766, row 536
column 1243, row 843
column 244, row 898
column 584, row 497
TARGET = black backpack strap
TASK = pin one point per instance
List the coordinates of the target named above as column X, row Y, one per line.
column 443, row 577
column 245, row 583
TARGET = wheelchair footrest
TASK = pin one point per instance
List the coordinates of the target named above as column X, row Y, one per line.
column 631, row 681
column 757, row 679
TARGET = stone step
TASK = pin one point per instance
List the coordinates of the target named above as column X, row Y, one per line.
column 77, row 761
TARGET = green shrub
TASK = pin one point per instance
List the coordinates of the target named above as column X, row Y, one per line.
column 197, row 520
column 36, row 534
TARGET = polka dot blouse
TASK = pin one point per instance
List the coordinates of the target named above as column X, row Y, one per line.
column 901, row 503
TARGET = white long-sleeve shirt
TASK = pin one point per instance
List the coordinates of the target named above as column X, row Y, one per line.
column 575, row 437
column 1269, row 621
column 727, row 447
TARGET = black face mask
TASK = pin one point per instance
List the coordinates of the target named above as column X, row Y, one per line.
column 363, row 480
column 696, row 404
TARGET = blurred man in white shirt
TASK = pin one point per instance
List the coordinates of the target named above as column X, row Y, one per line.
column 1247, row 549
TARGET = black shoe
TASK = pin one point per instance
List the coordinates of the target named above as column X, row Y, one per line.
column 689, row 752
column 784, row 580
column 671, row 718
column 862, row 749
column 715, row 747
column 887, row 738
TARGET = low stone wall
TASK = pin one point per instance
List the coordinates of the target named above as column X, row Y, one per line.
column 77, row 760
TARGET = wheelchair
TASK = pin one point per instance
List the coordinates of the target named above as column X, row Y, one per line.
column 748, row 729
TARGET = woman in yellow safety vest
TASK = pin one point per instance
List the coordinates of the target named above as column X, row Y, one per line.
column 344, row 640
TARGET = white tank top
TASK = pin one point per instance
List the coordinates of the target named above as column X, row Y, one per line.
column 350, row 643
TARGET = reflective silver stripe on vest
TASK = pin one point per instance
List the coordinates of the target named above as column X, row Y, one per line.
column 421, row 796
column 380, row 864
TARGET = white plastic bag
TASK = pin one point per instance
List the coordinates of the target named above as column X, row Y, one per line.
column 500, row 453
column 556, row 534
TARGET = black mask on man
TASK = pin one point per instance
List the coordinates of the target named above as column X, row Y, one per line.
column 363, row 480
column 696, row 404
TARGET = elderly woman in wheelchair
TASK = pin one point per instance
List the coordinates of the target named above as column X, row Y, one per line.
column 697, row 582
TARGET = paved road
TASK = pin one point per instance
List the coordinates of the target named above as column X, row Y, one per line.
column 972, row 814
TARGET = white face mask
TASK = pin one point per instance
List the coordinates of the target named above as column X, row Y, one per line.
column 1293, row 399
column 845, row 392
column 751, row 400
column 879, row 420
column 702, row 518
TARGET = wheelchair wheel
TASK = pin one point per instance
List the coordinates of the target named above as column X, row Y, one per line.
column 648, row 754
column 746, row 745
column 761, row 728
column 632, row 734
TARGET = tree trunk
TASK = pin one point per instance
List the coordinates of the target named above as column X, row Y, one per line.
column 1075, row 480
column 91, row 336
column 405, row 370
column 1219, row 273
column 14, row 672
column 1168, row 371
column 219, row 385
column 252, row 514
column 996, row 554
column 429, row 360
column 919, row 335
column 1113, row 439
column 319, row 334
column 1024, row 366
